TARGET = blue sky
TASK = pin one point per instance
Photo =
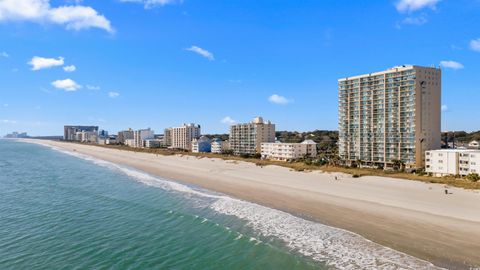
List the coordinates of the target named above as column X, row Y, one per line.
column 160, row 63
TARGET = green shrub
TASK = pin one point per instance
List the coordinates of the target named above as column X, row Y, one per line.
column 474, row 177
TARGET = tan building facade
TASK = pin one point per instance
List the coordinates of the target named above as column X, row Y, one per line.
column 390, row 115
column 247, row 139
column 181, row 137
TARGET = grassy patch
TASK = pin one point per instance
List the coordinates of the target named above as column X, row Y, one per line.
column 302, row 167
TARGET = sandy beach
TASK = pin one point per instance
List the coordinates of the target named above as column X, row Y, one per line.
column 412, row 217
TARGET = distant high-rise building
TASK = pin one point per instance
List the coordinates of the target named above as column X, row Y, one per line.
column 182, row 136
column 70, row 132
column 16, row 135
column 390, row 116
column 167, row 137
column 247, row 139
column 139, row 136
column 124, row 135
column 103, row 134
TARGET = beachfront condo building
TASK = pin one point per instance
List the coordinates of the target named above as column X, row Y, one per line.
column 454, row 162
column 247, row 139
column 390, row 116
column 152, row 143
column 182, row 137
column 289, row 151
column 70, row 132
column 124, row 135
column 167, row 137
column 219, row 147
column 141, row 135
column 201, row 145
column 86, row 137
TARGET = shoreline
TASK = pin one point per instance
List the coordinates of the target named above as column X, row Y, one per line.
column 412, row 217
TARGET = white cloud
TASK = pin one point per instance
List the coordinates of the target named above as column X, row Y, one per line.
column 444, row 108
column 152, row 3
column 421, row 20
column 228, row 120
column 201, row 52
column 6, row 121
column 414, row 5
column 279, row 99
column 451, row 64
column 113, row 94
column 67, row 85
column 74, row 17
column 4, row 54
column 475, row 45
column 38, row 63
column 92, row 87
column 70, row 68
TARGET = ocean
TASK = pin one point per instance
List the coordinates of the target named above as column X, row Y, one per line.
column 61, row 210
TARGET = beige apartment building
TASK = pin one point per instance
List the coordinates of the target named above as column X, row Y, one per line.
column 390, row 115
column 181, row 137
column 289, row 151
column 452, row 162
column 247, row 139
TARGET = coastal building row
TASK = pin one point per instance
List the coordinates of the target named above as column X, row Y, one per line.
column 384, row 118
column 80, row 133
column 16, row 135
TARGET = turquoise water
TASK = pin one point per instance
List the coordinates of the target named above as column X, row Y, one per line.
column 64, row 210
column 58, row 211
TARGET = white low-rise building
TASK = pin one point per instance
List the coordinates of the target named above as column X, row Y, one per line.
column 452, row 162
column 86, row 136
column 201, row 145
column 130, row 142
column 474, row 145
column 152, row 143
column 111, row 141
column 219, row 146
column 289, row 151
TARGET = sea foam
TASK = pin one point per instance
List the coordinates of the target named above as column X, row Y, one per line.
column 335, row 247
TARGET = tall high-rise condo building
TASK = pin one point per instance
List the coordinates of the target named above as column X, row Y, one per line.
column 390, row 116
column 167, row 137
column 181, row 137
column 247, row 139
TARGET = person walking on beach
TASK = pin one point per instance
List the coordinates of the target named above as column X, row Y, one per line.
column 446, row 191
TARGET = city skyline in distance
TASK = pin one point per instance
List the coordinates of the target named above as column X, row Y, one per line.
column 178, row 63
